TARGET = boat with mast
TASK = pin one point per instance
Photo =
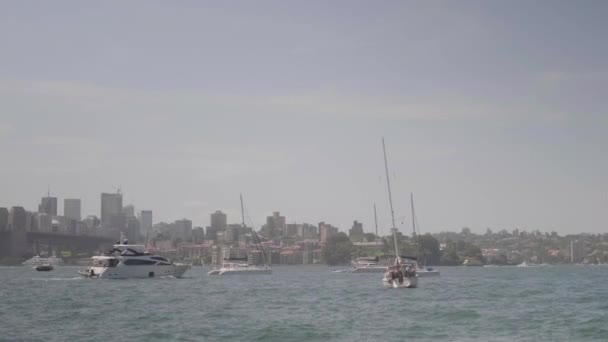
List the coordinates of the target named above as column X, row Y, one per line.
column 422, row 271
column 403, row 272
column 233, row 268
column 369, row 264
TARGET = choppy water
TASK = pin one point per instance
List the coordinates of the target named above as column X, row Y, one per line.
column 308, row 303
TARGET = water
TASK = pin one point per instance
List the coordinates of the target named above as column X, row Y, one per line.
column 308, row 303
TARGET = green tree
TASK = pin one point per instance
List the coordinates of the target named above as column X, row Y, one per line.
column 338, row 249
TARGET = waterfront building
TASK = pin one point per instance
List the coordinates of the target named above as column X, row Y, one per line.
column 326, row 231
column 291, row 230
column 72, row 208
column 48, row 205
column 307, row 231
column 356, row 232
column 111, row 205
column 275, row 224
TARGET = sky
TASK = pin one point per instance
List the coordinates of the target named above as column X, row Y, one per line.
column 493, row 112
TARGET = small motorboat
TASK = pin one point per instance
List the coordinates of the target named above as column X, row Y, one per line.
column 44, row 267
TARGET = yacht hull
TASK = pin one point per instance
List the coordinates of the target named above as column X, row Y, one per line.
column 408, row 282
column 371, row 269
column 239, row 272
column 425, row 273
column 140, row 271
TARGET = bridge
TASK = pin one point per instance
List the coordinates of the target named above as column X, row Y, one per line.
column 18, row 244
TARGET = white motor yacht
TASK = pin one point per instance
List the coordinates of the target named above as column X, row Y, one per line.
column 132, row 261
column 367, row 265
column 38, row 260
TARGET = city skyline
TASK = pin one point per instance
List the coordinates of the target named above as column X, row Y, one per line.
column 492, row 117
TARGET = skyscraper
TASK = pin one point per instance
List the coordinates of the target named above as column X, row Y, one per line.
column 218, row 223
column 111, row 205
column 129, row 210
column 3, row 219
column 71, row 209
column 48, row 205
column 145, row 222
column 17, row 219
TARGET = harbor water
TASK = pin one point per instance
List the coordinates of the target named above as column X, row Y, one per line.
column 308, row 303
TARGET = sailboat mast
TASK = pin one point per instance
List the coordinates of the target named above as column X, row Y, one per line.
column 413, row 217
column 376, row 222
column 390, row 200
column 242, row 210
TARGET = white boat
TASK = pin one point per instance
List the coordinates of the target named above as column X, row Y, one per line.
column 395, row 276
column 524, row 264
column 427, row 272
column 234, row 268
column 367, row 265
column 132, row 261
column 38, row 260
column 421, row 271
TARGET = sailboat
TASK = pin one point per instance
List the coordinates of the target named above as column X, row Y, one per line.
column 403, row 273
column 422, row 271
column 234, row 268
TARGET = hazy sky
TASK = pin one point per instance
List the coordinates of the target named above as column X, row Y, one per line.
column 494, row 112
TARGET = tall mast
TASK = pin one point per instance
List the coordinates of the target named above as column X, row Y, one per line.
column 413, row 217
column 242, row 210
column 376, row 222
column 390, row 200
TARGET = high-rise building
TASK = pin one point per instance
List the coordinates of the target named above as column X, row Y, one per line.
column 111, row 205
column 129, row 210
column 3, row 219
column 218, row 223
column 275, row 224
column 48, row 205
column 145, row 222
column 17, row 219
column 71, row 209
column 356, row 232
column 183, row 230
column 326, row 231
column 219, row 220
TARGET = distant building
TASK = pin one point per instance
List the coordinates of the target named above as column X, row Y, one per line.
column 17, row 219
column 578, row 251
column 129, row 210
column 72, row 209
column 275, row 224
column 356, row 232
column 111, row 205
column 145, row 222
column 326, row 231
column 291, row 230
column 4, row 219
column 48, row 205
column 218, row 224
column 183, row 230
column 44, row 222
column 308, row 231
